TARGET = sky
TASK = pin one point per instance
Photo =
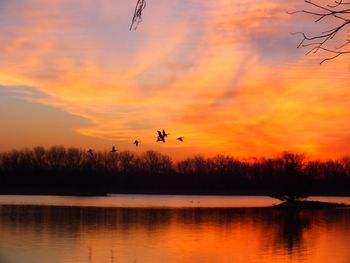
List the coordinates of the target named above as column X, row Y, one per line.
column 225, row 74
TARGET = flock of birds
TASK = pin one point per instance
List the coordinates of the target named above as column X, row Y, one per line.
column 160, row 138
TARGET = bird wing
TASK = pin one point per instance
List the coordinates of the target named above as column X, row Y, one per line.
column 160, row 134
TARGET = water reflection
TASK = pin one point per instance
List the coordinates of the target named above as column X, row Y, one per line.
column 88, row 234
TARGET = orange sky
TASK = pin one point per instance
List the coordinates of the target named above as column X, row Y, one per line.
column 225, row 74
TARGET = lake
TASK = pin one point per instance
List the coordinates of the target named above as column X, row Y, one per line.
column 149, row 228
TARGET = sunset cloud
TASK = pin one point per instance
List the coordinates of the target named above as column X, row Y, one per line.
column 226, row 75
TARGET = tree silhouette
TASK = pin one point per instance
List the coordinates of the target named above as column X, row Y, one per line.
column 291, row 182
column 59, row 170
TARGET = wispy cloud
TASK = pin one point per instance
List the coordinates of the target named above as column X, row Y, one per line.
column 224, row 74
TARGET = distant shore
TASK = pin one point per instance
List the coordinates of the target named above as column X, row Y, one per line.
column 77, row 172
column 305, row 204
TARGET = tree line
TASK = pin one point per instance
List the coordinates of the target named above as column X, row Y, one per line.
column 59, row 170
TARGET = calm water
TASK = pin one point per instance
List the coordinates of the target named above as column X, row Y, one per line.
column 168, row 229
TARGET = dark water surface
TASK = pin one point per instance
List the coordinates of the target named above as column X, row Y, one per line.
column 57, row 234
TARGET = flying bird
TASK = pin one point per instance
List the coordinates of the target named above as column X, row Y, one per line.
column 113, row 149
column 136, row 142
column 161, row 136
column 180, row 139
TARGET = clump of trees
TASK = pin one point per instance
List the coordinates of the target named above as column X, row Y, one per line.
column 290, row 182
column 59, row 170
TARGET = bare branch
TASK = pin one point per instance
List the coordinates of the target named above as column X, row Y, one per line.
column 137, row 18
column 338, row 3
column 328, row 39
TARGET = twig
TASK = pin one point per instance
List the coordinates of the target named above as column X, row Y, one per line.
column 137, row 18
column 323, row 41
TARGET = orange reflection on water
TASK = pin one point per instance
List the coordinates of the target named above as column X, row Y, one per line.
column 76, row 234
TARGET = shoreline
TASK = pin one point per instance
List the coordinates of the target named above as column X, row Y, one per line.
column 174, row 202
column 308, row 204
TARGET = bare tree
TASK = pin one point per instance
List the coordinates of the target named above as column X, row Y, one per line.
column 337, row 14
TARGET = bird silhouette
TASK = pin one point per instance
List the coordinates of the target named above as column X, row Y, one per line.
column 180, row 139
column 113, row 149
column 136, row 142
column 161, row 136
column 90, row 152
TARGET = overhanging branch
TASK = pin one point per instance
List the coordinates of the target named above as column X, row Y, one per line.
column 327, row 40
column 137, row 18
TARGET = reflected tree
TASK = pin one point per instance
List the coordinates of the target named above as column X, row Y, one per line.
column 290, row 229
